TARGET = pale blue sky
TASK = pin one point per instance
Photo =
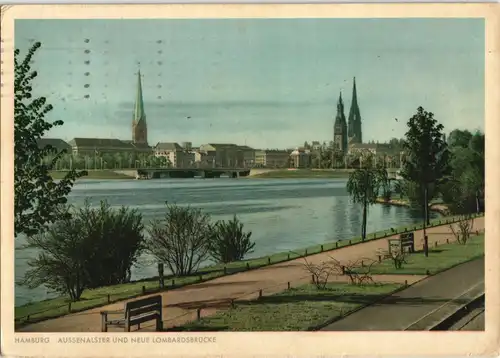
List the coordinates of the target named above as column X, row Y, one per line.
column 266, row 82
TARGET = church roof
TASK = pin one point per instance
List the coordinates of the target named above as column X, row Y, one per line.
column 100, row 143
column 139, row 113
column 168, row 146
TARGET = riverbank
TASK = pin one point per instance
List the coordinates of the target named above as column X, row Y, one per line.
column 93, row 174
column 440, row 208
column 298, row 173
column 59, row 306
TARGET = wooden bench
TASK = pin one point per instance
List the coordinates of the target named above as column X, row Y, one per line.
column 405, row 243
column 136, row 312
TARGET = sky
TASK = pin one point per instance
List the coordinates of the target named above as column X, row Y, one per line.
column 266, row 83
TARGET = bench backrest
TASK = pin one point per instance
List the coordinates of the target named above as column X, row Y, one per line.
column 406, row 240
column 145, row 305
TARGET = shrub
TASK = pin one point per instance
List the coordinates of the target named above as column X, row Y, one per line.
column 180, row 239
column 85, row 248
column 229, row 242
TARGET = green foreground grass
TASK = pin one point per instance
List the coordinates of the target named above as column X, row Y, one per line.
column 303, row 307
column 93, row 174
column 59, row 306
column 440, row 258
column 297, row 309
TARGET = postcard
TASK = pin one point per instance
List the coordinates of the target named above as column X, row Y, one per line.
column 268, row 180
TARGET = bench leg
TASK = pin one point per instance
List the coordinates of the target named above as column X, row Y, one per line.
column 159, row 324
column 127, row 326
column 104, row 324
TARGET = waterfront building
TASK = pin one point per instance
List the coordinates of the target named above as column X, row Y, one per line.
column 301, row 158
column 178, row 156
column 272, row 158
column 224, row 154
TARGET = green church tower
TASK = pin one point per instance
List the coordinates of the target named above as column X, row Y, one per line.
column 139, row 126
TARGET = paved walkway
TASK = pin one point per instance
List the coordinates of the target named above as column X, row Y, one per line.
column 418, row 302
column 181, row 304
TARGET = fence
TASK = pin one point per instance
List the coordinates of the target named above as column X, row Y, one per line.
column 154, row 286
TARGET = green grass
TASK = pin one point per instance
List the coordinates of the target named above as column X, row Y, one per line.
column 440, row 258
column 296, row 309
column 56, row 307
column 93, row 174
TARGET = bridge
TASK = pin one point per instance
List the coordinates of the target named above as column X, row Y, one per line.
column 156, row 173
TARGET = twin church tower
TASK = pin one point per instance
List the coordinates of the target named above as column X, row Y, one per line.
column 347, row 132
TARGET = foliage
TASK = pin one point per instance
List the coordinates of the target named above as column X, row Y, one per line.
column 363, row 187
column 228, row 242
column 115, row 240
column 465, row 190
column 462, row 233
column 36, row 194
column 85, row 248
column 427, row 157
column 384, row 183
column 180, row 239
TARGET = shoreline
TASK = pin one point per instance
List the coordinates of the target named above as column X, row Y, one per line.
column 436, row 207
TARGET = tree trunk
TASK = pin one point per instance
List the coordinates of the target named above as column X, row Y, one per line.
column 363, row 231
column 478, row 208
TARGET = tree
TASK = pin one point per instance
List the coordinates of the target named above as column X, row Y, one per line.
column 180, row 239
column 86, row 248
column 427, row 157
column 36, row 194
column 229, row 242
column 465, row 190
column 363, row 188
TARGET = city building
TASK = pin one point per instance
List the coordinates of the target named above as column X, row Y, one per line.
column 138, row 144
column 354, row 132
column 55, row 143
column 301, row 158
column 223, row 155
column 340, row 128
column 177, row 156
column 272, row 158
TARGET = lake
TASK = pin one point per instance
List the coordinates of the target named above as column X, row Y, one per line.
column 283, row 214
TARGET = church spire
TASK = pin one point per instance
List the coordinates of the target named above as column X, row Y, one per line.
column 354, row 121
column 340, row 127
column 139, row 103
column 139, row 126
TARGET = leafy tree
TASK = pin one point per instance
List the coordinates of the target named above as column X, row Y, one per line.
column 180, row 239
column 427, row 157
column 363, row 188
column 229, row 242
column 465, row 190
column 384, row 183
column 86, row 248
column 36, row 194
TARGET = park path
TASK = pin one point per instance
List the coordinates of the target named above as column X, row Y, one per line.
column 180, row 304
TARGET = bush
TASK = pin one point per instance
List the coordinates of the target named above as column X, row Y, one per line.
column 229, row 242
column 85, row 248
column 180, row 239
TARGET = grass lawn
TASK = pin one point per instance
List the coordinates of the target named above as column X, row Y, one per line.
column 98, row 297
column 296, row 309
column 440, row 258
column 93, row 174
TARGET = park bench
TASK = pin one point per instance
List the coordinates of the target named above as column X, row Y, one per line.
column 405, row 243
column 135, row 313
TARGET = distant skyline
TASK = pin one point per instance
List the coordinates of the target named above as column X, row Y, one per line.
column 262, row 82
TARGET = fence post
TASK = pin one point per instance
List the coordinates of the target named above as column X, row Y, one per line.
column 225, row 270
column 312, row 277
column 362, row 263
column 336, row 244
column 268, row 260
column 379, row 258
column 321, row 248
column 248, row 266
column 343, row 270
column 69, row 307
column 260, row 293
column 288, row 257
column 406, row 282
column 435, row 244
column 173, row 283
column 160, row 275
column 305, row 253
column 200, row 278
column 288, row 284
column 447, row 240
column 198, row 314
column 350, row 242
column 374, row 235
column 109, row 299
column 232, row 303
column 143, row 290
